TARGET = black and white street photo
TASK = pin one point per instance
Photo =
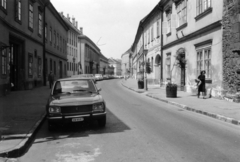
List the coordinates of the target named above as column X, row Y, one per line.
column 119, row 81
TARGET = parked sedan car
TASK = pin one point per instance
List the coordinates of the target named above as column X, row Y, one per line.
column 98, row 77
column 75, row 100
column 105, row 77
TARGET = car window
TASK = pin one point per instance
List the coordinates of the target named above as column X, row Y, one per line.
column 74, row 86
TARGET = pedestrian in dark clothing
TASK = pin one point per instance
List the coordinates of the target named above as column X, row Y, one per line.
column 201, row 84
column 50, row 79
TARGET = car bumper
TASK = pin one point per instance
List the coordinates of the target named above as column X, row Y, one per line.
column 69, row 118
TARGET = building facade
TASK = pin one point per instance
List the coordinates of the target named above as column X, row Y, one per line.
column 24, row 43
column 56, row 38
column 126, row 63
column 90, row 55
column 192, row 30
column 147, row 46
column 116, row 63
column 73, row 53
column 103, row 65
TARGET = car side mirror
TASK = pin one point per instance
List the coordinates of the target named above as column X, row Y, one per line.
column 99, row 89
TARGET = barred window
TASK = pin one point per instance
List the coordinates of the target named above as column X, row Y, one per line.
column 4, row 4
column 158, row 32
column 30, row 65
column 169, row 14
column 50, row 35
column 39, row 67
column 30, row 16
column 18, row 11
column 4, row 61
column 152, row 34
column 203, row 5
column 40, row 24
column 204, row 61
column 182, row 12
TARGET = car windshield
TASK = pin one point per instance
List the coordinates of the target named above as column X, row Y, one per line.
column 74, row 86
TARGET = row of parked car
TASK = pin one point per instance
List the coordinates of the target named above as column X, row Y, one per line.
column 105, row 77
column 98, row 77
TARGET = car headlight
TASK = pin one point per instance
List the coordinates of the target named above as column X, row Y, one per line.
column 54, row 109
column 98, row 107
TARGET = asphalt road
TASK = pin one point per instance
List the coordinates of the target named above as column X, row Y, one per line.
column 139, row 129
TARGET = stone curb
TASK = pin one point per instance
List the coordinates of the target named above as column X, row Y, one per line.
column 18, row 150
column 216, row 116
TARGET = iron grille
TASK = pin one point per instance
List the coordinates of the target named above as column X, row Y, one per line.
column 76, row 109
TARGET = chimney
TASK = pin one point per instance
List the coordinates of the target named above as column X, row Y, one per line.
column 62, row 14
column 73, row 21
column 68, row 17
column 81, row 29
column 76, row 24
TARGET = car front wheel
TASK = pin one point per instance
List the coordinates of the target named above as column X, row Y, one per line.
column 102, row 122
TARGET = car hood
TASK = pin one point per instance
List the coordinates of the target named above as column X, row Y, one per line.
column 74, row 99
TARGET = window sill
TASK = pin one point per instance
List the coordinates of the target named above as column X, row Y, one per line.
column 209, row 10
column 182, row 26
column 169, row 34
column 3, row 9
column 31, row 29
column 18, row 21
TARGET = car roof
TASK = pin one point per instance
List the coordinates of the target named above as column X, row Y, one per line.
column 74, row 78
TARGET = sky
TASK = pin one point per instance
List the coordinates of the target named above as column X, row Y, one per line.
column 110, row 24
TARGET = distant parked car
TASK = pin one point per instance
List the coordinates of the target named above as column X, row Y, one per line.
column 74, row 100
column 105, row 76
column 98, row 77
column 91, row 76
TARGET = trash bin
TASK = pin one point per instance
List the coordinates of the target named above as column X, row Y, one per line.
column 171, row 92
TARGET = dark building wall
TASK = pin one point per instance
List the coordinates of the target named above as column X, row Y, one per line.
column 23, row 42
column 56, row 52
column 231, row 45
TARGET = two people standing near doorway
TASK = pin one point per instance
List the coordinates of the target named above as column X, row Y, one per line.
column 201, row 84
column 50, row 79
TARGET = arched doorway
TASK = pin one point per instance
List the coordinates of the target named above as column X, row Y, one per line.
column 157, row 68
column 181, row 55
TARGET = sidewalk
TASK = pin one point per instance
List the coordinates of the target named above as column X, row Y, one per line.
column 216, row 108
column 21, row 113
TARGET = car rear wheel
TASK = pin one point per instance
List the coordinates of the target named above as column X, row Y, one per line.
column 102, row 122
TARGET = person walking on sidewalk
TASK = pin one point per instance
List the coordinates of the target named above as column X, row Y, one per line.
column 50, row 79
column 201, row 84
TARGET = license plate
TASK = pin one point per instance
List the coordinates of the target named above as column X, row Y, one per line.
column 77, row 119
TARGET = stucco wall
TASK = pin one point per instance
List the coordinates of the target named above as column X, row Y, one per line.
column 190, row 55
column 231, row 45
